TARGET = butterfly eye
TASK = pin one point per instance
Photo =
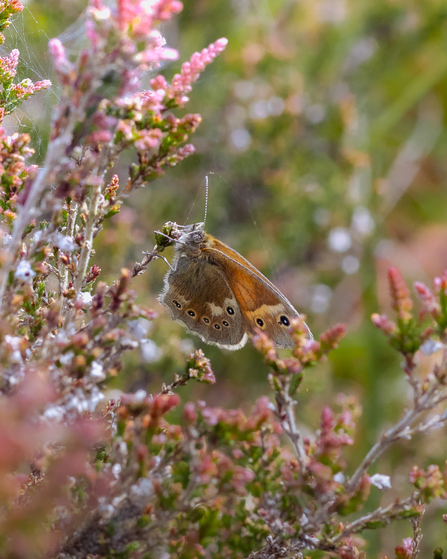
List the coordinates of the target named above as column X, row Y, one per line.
column 191, row 313
column 177, row 304
column 206, row 320
column 230, row 310
column 225, row 323
column 260, row 322
column 217, row 327
column 284, row 320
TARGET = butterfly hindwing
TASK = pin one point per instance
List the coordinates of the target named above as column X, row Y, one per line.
column 198, row 295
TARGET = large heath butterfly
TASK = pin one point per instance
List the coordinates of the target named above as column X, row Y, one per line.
column 220, row 296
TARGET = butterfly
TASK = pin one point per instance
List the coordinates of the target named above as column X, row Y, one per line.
column 218, row 295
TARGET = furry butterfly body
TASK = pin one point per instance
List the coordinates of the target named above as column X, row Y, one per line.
column 220, row 296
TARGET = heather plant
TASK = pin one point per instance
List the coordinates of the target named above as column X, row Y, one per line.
column 147, row 475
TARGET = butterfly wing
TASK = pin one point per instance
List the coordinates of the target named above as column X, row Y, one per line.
column 199, row 296
column 262, row 305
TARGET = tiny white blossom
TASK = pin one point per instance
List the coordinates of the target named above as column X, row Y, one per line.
column 37, row 236
column 106, row 511
column 16, row 357
column 140, row 328
column 142, row 490
column 116, row 501
column 122, row 448
column 66, row 358
column 150, row 352
column 95, row 397
column 140, row 395
column 65, row 243
column 430, row 346
column 97, row 373
column 381, row 481
column 13, row 341
column 54, row 413
column 24, row 272
column 6, row 239
column 339, row 477
column 116, row 470
column 86, row 299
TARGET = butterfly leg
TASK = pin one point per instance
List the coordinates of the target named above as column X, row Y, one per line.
column 155, row 255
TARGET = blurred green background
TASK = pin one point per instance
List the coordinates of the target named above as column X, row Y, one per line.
column 324, row 138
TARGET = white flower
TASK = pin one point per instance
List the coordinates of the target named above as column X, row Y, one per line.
column 64, row 243
column 116, row 470
column 106, row 511
column 339, row 477
column 381, row 481
column 66, row 358
column 54, row 413
column 85, row 299
column 5, row 239
column 95, row 397
column 97, row 373
column 140, row 328
column 24, row 272
column 430, row 346
column 13, row 341
column 150, row 352
column 142, row 491
column 140, row 395
column 37, row 236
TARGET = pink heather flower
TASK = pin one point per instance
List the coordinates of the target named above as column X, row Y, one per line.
column 333, row 335
column 405, row 551
column 92, row 35
column 190, row 413
column 185, row 151
column 159, row 82
column 60, row 61
column 128, row 10
column 181, row 83
column 57, row 50
column 8, row 65
column 125, row 127
column 165, row 9
column 155, row 56
column 149, row 139
column 241, row 476
column 99, row 137
column 382, row 322
column 400, row 295
column 428, row 299
column 43, row 84
column 139, row 16
column 152, row 100
column 441, row 283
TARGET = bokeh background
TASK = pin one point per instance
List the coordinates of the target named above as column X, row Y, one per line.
column 324, row 138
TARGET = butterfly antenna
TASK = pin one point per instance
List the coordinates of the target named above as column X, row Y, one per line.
column 206, row 199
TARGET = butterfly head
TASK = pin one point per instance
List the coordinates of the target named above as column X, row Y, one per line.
column 191, row 238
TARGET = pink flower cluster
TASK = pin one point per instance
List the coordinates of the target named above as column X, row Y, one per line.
column 8, row 65
column 142, row 15
column 400, row 295
column 431, row 306
column 405, row 551
column 181, row 83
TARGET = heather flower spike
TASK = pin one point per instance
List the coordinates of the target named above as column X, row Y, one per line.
column 400, row 295
column 83, row 474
